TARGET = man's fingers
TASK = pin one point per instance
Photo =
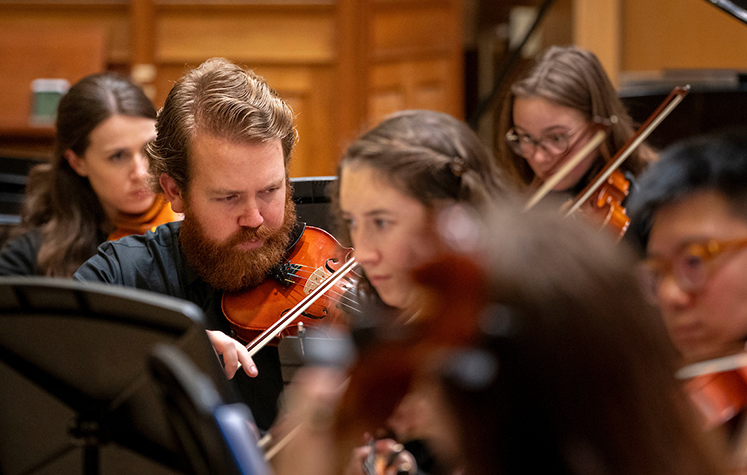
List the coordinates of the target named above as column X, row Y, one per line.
column 246, row 361
column 234, row 354
column 230, row 362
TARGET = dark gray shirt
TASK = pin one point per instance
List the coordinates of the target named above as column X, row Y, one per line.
column 18, row 255
column 155, row 262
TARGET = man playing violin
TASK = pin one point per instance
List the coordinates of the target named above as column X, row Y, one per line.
column 690, row 218
column 224, row 139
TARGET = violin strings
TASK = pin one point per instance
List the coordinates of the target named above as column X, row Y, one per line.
column 344, row 301
column 303, row 273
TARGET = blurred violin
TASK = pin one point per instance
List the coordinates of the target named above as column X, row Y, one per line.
column 309, row 288
column 391, row 354
column 602, row 198
column 717, row 387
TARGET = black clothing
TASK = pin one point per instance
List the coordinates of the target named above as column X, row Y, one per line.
column 18, row 256
column 155, row 262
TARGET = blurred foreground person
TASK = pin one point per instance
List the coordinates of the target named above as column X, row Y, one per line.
column 537, row 353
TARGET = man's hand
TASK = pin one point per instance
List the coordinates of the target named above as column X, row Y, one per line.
column 235, row 355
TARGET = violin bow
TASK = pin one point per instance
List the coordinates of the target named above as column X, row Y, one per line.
column 717, row 365
column 273, row 331
column 661, row 113
column 568, row 166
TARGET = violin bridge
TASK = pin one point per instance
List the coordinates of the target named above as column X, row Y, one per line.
column 315, row 279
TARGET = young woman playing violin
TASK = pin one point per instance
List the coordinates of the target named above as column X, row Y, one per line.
column 390, row 182
column 535, row 352
column 549, row 116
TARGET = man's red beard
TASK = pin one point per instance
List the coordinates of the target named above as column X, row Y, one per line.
column 226, row 267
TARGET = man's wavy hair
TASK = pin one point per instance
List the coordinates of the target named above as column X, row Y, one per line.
column 221, row 99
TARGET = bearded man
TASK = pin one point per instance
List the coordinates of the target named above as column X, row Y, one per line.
column 224, row 139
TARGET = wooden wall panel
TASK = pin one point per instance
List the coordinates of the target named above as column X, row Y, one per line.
column 30, row 53
column 415, row 57
column 597, row 28
column 425, row 30
column 677, row 34
column 246, row 35
column 328, row 58
column 410, row 85
column 113, row 19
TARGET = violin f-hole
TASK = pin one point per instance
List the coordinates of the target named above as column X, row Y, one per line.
column 309, row 315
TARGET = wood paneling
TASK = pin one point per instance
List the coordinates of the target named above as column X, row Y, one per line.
column 267, row 36
column 409, row 85
column 677, row 34
column 404, row 31
column 597, row 28
column 341, row 64
column 415, row 57
column 32, row 53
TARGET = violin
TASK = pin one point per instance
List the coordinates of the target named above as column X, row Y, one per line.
column 718, row 388
column 309, row 288
column 391, row 354
column 605, row 208
column 603, row 196
column 605, row 193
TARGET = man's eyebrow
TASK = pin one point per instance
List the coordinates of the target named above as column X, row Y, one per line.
column 224, row 191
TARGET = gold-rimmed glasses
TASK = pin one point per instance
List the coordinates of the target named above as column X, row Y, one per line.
column 690, row 267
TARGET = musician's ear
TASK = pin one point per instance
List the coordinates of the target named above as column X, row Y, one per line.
column 172, row 192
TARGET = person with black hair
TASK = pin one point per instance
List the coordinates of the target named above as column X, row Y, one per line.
column 690, row 221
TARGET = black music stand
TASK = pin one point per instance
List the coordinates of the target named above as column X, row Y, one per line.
column 76, row 395
column 217, row 438
column 735, row 8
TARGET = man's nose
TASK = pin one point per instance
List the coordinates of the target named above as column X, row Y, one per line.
column 250, row 216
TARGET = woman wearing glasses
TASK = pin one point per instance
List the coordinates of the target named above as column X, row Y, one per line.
column 690, row 217
column 548, row 116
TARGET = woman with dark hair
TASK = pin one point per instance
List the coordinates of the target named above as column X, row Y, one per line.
column 392, row 182
column 548, row 117
column 393, row 179
column 96, row 188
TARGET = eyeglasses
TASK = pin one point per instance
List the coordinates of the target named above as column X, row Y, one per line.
column 691, row 266
column 555, row 143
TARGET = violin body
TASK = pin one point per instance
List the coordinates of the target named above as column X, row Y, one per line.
column 719, row 396
column 605, row 205
column 316, row 255
column 718, row 388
